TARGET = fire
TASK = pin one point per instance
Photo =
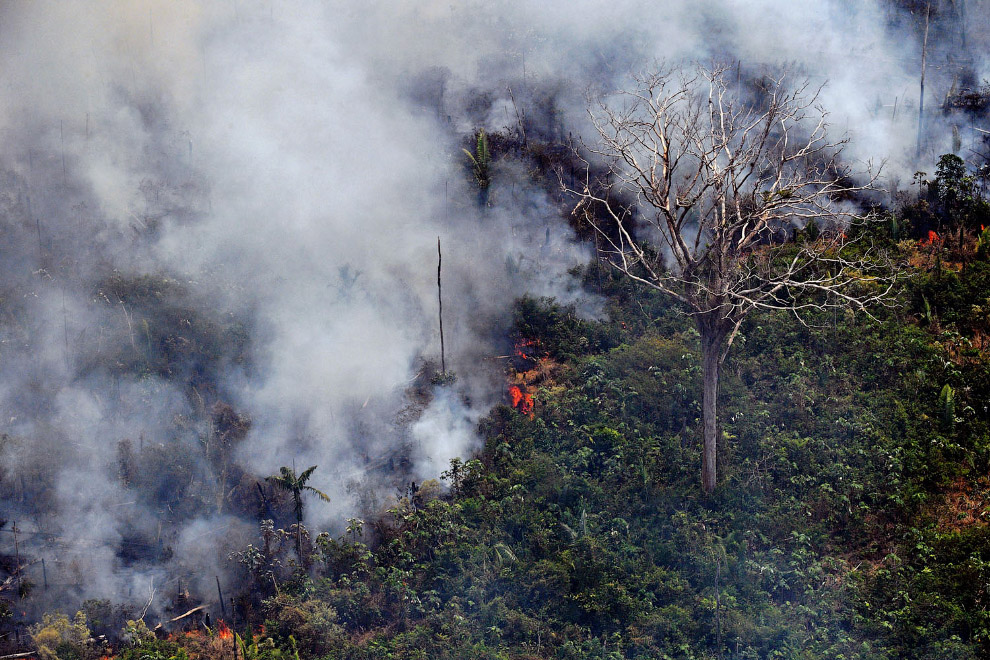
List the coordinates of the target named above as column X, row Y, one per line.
column 185, row 633
column 223, row 632
column 523, row 349
column 516, row 395
column 933, row 238
column 521, row 401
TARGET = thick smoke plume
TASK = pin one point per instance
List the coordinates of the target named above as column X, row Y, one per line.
column 219, row 231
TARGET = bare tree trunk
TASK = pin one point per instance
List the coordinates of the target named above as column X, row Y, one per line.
column 710, row 348
column 443, row 352
column 921, row 97
column 299, row 536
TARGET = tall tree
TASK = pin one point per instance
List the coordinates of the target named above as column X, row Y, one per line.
column 288, row 481
column 702, row 190
column 957, row 199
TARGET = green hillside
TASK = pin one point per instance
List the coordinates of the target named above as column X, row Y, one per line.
column 850, row 520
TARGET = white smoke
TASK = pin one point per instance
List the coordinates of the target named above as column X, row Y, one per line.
column 292, row 166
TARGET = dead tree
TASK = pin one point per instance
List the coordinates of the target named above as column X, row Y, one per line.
column 700, row 198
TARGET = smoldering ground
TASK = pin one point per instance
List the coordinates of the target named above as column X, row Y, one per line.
column 219, row 230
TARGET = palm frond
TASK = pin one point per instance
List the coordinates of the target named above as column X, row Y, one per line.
column 282, row 482
column 304, row 477
column 319, row 493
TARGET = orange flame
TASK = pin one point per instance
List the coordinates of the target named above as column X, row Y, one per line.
column 521, row 401
column 522, row 349
column 175, row 636
column 933, row 238
column 516, row 395
column 223, row 632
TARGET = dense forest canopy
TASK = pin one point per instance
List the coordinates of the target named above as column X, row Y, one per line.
column 388, row 330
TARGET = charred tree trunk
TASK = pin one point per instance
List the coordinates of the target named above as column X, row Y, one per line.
column 223, row 607
column 443, row 352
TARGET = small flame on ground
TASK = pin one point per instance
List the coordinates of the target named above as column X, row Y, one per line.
column 186, row 633
column 523, row 349
column 224, row 632
column 933, row 238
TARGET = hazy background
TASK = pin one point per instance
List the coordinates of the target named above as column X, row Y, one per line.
column 279, row 173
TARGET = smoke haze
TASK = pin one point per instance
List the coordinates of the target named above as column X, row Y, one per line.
column 219, row 237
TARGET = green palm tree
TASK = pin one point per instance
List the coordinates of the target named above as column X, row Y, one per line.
column 481, row 167
column 289, row 482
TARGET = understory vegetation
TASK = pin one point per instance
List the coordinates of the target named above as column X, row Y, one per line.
column 850, row 521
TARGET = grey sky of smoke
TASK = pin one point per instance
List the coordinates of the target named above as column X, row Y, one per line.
column 296, row 183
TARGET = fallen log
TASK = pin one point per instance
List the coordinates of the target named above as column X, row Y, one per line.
column 183, row 616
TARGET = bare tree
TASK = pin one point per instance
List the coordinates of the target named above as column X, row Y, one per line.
column 700, row 199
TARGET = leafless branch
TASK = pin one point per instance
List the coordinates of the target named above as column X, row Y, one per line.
column 719, row 184
column 700, row 192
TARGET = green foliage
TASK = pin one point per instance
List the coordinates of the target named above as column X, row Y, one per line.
column 57, row 637
column 956, row 304
column 896, row 227
column 308, row 625
column 983, row 244
column 954, row 201
column 155, row 650
column 481, row 161
column 288, row 481
column 956, row 191
column 580, row 532
column 265, row 648
column 947, row 403
column 136, row 633
column 847, row 446
column 480, row 166
column 561, row 334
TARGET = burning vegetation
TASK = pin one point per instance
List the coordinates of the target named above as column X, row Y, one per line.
column 530, row 366
column 521, row 401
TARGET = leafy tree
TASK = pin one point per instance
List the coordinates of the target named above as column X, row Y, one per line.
column 58, row 637
column 288, row 481
column 957, row 199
